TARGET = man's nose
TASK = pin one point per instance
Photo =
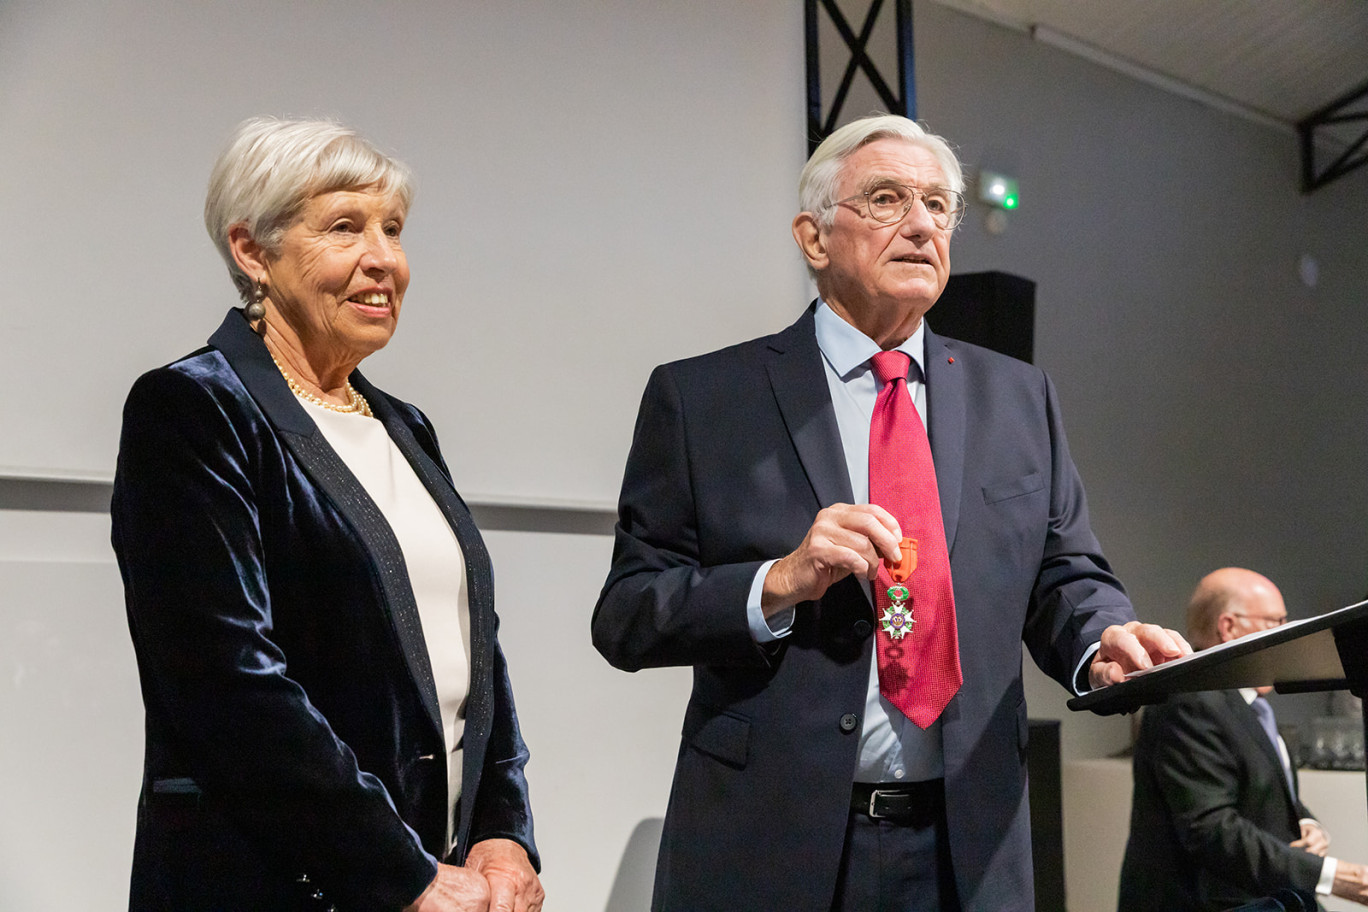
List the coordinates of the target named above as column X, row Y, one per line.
column 917, row 222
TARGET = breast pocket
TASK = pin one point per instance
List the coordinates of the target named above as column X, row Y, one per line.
column 1011, row 526
column 1017, row 487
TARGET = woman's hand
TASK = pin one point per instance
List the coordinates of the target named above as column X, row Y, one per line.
column 513, row 885
column 453, row 890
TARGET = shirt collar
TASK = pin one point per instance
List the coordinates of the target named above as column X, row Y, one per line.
column 847, row 349
column 1250, row 694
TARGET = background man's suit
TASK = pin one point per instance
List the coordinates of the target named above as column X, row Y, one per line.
column 734, row 454
column 1212, row 816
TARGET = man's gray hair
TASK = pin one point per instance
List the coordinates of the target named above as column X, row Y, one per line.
column 822, row 173
column 272, row 167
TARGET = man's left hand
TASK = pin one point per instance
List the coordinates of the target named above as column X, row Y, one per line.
column 513, row 885
column 1132, row 647
column 1313, row 839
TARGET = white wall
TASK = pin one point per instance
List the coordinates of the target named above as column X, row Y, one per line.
column 1215, row 407
column 71, row 753
column 603, row 742
column 593, row 179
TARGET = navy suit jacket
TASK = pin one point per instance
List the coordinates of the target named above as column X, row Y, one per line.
column 734, row 454
column 1211, row 815
column 294, row 745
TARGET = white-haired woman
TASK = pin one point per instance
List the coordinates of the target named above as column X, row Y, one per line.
column 329, row 718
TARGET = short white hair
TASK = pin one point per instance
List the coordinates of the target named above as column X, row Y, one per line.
column 822, row 173
column 272, row 167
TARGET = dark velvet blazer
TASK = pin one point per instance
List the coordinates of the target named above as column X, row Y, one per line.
column 294, row 752
column 734, row 454
column 1211, row 814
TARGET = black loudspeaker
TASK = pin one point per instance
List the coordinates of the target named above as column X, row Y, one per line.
column 992, row 309
column 1047, row 813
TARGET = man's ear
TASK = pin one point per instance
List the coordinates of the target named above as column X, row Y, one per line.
column 808, row 234
column 249, row 255
column 1225, row 627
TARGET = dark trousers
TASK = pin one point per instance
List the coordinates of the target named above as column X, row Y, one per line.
column 899, row 864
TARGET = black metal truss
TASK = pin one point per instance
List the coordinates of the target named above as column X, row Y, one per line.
column 819, row 127
column 1342, row 110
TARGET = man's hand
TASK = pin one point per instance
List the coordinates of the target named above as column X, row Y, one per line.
column 513, row 885
column 1313, row 839
column 1351, row 881
column 453, row 890
column 844, row 539
column 1132, row 647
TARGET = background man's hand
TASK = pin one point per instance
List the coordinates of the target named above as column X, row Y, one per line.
column 1351, row 881
column 513, row 884
column 454, row 889
column 1131, row 647
column 843, row 539
column 1313, row 839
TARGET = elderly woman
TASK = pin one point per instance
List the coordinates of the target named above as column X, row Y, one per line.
column 329, row 718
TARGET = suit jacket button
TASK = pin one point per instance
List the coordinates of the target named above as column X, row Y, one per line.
column 849, row 722
column 861, row 629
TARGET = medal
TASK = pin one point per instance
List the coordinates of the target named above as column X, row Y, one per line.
column 897, row 619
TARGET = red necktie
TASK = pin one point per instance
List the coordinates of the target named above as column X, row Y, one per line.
column 919, row 672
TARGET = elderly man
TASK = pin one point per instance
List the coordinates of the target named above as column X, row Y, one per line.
column 1215, row 818
column 852, row 600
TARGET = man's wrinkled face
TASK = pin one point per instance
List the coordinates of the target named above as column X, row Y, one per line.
column 902, row 264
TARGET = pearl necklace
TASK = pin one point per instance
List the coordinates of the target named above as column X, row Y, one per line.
column 356, row 403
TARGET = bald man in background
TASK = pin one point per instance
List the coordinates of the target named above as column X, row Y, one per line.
column 1215, row 817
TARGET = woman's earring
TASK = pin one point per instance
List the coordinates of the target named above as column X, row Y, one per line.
column 256, row 310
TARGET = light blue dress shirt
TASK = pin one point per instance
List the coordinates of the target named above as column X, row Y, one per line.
column 892, row 747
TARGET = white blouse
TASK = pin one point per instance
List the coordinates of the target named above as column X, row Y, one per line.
column 436, row 566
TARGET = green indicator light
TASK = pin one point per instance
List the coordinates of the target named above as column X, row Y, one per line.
column 998, row 190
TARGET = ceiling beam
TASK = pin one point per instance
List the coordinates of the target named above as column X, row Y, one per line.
column 903, row 102
column 1341, row 111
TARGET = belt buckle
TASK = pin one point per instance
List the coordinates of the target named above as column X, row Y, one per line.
column 874, row 795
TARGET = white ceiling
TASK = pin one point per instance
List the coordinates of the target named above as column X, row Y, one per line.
column 1278, row 60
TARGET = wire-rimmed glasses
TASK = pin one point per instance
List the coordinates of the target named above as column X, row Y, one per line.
column 889, row 201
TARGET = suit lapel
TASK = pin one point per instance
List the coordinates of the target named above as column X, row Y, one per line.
column 479, row 575
column 479, row 585
column 798, row 380
column 1249, row 720
column 251, row 361
column 946, row 403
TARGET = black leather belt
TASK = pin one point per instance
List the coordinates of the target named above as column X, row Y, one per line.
column 899, row 801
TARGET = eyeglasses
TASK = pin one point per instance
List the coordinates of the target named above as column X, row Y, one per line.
column 1263, row 619
column 888, row 202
